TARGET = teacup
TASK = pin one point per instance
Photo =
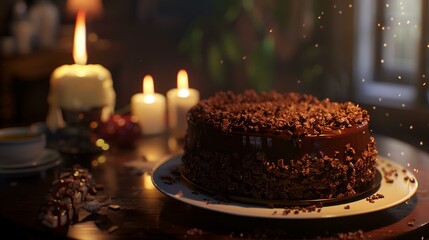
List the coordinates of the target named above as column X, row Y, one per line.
column 20, row 145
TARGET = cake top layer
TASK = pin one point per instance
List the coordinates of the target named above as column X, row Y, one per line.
column 287, row 113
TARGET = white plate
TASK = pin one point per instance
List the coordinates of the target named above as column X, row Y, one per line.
column 49, row 158
column 394, row 193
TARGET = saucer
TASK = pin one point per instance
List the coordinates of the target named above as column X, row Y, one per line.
column 47, row 159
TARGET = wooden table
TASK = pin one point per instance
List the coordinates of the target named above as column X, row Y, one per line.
column 147, row 213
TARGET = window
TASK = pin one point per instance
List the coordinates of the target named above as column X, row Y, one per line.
column 389, row 52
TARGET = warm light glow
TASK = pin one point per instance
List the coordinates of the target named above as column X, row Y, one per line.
column 148, row 89
column 147, row 181
column 182, row 84
column 79, row 44
column 93, row 8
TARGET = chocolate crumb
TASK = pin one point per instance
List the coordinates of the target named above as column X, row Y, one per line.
column 347, row 207
column 112, row 229
column 114, row 207
column 168, row 180
column 374, row 197
column 303, row 209
column 412, row 180
column 286, row 211
column 352, row 235
column 194, row 232
column 388, row 180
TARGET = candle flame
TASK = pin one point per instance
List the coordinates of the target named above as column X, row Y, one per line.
column 79, row 44
column 182, row 83
column 148, row 89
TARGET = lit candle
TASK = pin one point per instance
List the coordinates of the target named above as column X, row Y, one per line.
column 180, row 101
column 150, row 108
column 79, row 87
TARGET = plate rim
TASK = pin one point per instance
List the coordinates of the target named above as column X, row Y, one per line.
column 54, row 160
column 251, row 210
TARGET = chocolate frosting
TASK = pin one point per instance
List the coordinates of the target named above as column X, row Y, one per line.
column 283, row 125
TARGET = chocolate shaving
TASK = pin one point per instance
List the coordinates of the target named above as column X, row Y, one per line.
column 291, row 114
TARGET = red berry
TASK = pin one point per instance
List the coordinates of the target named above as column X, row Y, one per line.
column 122, row 130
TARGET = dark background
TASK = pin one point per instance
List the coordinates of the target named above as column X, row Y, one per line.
column 305, row 46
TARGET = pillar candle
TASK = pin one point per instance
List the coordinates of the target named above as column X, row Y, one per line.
column 150, row 108
column 180, row 100
column 80, row 86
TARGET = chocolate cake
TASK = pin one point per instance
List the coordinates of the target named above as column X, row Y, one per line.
column 278, row 146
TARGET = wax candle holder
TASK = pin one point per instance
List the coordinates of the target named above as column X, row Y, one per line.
column 79, row 135
column 80, row 98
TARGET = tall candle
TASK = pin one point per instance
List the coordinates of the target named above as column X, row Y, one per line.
column 150, row 108
column 180, row 100
column 80, row 86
